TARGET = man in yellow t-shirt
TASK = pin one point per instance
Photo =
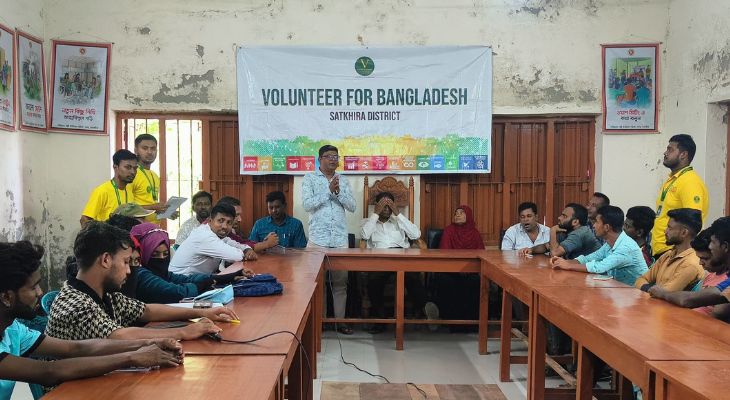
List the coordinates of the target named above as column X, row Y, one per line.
column 106, row 197
column 683, row 189
column 146, row 185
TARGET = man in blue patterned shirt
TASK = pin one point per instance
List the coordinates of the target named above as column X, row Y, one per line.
column 325, row 196
column 619, row 257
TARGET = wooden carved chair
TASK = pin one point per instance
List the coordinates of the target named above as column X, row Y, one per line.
column 403, row 198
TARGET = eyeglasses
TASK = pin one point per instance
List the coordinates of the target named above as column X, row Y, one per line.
column 333, row 157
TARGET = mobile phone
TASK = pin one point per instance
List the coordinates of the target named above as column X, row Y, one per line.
column 601, row 277
column 202, row 304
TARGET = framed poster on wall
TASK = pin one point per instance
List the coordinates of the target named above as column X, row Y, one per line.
column 80, row 86
column 7, row 78
column 630, row 88
column 32, row 83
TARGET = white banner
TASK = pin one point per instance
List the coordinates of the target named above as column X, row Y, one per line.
column 388, row 110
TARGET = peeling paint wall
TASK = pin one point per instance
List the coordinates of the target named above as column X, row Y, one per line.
column 179, row 56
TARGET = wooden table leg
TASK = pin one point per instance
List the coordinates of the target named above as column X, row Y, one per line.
column 536, row 353
column 505, row 337
column 483, row 311
column 399, row 312
column 309, row 339
column 584, row 378
column 294, row 388
column 319, row 309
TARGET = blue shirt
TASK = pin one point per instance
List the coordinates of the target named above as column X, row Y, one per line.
column 623, row 262
column 18, row 341
column 723, row 285
column 291, row 232
column 327, row 221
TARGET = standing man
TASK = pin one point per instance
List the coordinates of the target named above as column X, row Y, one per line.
column 528, row 233
column 326, row 195
column 106, row 197
column 289, row 229
column 202, row 203
column 683, row 189
column 146, row 185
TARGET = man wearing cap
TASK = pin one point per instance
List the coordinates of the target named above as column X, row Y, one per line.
column 106, row 197
column 679, row 268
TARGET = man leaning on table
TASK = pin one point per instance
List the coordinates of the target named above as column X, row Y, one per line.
column 20, row 296
column 619, row 257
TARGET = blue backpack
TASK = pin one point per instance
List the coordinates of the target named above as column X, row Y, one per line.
column 258, row 285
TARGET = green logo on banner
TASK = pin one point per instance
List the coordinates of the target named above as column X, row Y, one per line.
column 364, row 66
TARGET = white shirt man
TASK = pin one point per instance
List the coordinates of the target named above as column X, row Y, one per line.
column 396, row 231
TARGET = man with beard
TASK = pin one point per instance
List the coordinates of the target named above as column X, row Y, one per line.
column 718, row 295
column 683, row 189
column 580, row 241
column 20, row 296
column 679, row 268
column 289, row 230
column 146, row 184
column 90, row 305
column 716, row 271
column 202, row 202
column 111, row 194
column 209, row 244
column 154, row 282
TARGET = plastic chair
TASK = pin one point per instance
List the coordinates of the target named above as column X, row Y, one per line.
column 47, row 300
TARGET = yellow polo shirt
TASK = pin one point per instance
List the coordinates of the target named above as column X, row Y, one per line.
column 146, row 187
column 683, row 189
column 105, row 198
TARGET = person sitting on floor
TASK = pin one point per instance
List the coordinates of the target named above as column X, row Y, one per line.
column 202, row 203
column 678, row 268
column 580, row 241
column 155, row 283
column 289, row 230
column 619, row 257
column 719, row 295
column 90, row 306
column 388, row 228
column 638, row 225
column 528, row 233
column 456, row 296
column 20, row 296
column 269, row 241
column 209, row 244
column 716, row 271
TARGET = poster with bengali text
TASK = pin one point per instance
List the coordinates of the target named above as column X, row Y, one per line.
column 7, row 78
column 389, row 110
column 32, row 85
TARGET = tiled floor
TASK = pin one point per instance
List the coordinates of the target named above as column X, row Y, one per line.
column 428, row 358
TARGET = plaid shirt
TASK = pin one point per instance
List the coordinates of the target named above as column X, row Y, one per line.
column 78, row 313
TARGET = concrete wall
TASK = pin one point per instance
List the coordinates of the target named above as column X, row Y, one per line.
column 179, row 56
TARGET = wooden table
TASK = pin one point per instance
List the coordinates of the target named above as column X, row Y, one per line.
column 518, row 276
column 201, row 377
column 401, row 261
column 624, row 327
column 688, row 380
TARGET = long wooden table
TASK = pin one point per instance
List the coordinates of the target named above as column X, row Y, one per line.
column 688, row 380
column 201, row 377
column 625, row 328
column 401, row 261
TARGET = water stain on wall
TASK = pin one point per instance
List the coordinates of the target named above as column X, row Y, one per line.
column 539, row 90
column 191, row 89
column 713, row 67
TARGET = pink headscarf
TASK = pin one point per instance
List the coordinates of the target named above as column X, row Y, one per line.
column 149, row 236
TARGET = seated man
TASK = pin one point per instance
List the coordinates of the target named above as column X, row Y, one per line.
column 596, row 201
column 269, row 241
column 202, row 203
column 388, row 228
column 111, row 194
column 716, row 271
column 20, row 295
column 154, row 282
column 638, row 225
column 718, row 295
column 209, row 244
column 580, row 241
column 528, row 233
column 289, row 230
column 90, row 306
column 678, row 268
column 619, row 257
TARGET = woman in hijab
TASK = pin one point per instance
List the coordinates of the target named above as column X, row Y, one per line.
column 155, row 284
column 456, row 296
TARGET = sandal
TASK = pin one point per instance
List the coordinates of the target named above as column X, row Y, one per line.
column 345, row 330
